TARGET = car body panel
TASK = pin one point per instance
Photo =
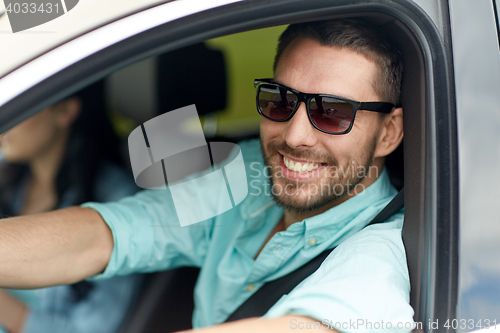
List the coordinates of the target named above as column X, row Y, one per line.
column 90, row 14
column 477, row 82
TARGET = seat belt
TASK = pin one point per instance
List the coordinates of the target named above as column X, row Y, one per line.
column 264, row 298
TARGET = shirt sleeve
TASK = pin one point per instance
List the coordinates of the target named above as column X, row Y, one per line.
column 362, row 286
column 146, row 230
column 148, row 237
column 111, row 297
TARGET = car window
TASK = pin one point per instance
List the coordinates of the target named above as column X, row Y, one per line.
column 425, row 127
column 248, row 55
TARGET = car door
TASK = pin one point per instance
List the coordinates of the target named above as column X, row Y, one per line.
column 421, row 29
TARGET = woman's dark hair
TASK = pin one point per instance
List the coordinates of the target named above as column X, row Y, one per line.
column 91, row 142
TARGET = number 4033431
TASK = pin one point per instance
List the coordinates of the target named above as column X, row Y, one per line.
column 470, row 324
column 32, row 8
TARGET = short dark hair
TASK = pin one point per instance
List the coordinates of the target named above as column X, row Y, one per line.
column 358, row 36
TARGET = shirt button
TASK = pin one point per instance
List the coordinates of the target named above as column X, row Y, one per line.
column 312, row 241
column 276, row 249
column 250, row 287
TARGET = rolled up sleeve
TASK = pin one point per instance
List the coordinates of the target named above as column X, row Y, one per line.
column 148, row 237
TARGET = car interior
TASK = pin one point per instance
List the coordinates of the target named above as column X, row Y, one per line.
column 197, row 54
column 166, row 82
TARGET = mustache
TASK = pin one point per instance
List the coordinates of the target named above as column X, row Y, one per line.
column 300, row 154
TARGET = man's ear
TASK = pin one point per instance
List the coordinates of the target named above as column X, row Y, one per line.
column 391, row 133
column 68, row 111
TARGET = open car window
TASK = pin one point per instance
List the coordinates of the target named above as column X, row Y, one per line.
column 137, row 64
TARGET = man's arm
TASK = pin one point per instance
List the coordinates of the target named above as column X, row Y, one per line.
column 59, row 247
column 287, row 323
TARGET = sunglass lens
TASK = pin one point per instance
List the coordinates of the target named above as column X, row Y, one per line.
column 275, row 102
column 330, row 114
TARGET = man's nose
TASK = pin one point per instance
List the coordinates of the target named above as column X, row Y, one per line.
column 299, row 131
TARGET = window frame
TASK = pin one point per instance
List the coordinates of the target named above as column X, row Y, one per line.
column 435, row 195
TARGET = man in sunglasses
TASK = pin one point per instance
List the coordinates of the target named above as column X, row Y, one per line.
column 330, row 116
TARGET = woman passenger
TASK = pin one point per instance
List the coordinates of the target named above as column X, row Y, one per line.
column 65, row 155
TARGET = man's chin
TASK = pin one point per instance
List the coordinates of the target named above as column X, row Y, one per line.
column 301, row 197
column 305, row 206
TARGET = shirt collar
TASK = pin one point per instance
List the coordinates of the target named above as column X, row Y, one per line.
column 352, row 214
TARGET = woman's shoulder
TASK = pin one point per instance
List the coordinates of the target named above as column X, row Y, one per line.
column 113, row 182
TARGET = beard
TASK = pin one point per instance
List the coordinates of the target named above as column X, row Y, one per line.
column 331, row 185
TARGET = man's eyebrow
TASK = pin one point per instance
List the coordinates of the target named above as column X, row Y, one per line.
column 320, row 93
column 341, row 95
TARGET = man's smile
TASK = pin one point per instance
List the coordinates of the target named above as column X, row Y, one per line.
column 299, row 169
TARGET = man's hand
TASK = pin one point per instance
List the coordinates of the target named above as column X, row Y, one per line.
column 287, row 323
column 59, row 247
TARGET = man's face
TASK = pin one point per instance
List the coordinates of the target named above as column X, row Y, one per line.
column 339, row 162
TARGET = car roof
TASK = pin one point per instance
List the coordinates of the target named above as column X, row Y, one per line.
column 23, row 46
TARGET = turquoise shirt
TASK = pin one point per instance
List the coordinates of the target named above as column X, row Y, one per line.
column 364, row 278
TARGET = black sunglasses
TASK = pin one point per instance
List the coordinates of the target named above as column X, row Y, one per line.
column 327, row 113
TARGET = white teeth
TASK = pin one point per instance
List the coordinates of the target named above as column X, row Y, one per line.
column 299, row 167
